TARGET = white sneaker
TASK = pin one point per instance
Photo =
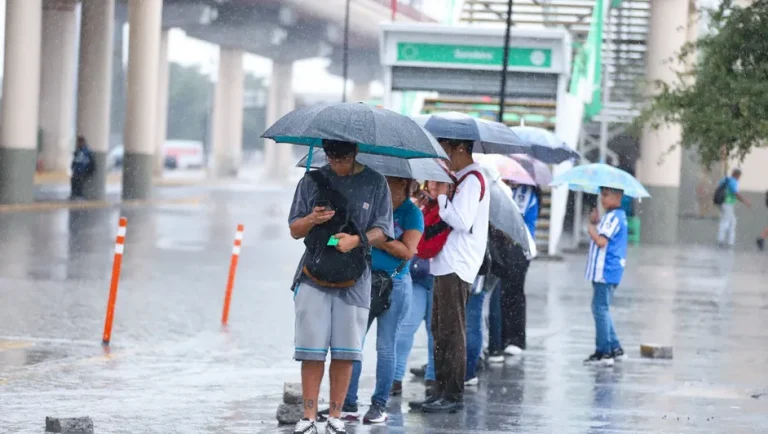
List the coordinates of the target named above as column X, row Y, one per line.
column 496, row 357
column 472, row 382
column 335, row 426
column 305, row 426
column 513, row 350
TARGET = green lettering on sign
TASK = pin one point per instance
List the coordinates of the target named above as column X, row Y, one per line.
column 473, row 55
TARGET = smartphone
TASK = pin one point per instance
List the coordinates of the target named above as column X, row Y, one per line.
column 333, row 241
column 325, row 204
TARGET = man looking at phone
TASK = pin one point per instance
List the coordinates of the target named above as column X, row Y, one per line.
column 327, row 317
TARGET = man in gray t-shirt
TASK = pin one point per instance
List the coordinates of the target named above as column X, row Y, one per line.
column 331, row 317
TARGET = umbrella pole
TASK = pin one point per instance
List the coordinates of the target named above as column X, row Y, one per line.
column 505, row 63
column 309, row 157
column 345, row 53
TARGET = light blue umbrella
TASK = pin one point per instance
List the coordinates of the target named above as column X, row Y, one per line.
column 488, row 137
column 426, row 169
column 545, row 146
column 590, row 177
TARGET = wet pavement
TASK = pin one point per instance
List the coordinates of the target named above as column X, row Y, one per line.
column 172, row 369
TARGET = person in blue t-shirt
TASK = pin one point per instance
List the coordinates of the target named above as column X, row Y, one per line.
column 393, row 257
column 527, row 199
column 83, row 166
column 605, row 266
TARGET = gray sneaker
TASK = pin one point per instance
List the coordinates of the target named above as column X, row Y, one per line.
column 335, row 426
column 376, row 414
column 305, row 426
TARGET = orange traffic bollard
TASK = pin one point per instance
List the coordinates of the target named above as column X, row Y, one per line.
column 232, row 270
column 119, row 247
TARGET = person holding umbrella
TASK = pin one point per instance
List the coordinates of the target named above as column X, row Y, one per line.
column 340, row 210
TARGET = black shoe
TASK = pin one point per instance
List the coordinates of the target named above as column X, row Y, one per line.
column 761, row 244
column 443, row 406
column 600, row 359
column 418, row 405
column 419, row 372
column 619, row 355
column 348, row 413
column 397, row 389
column 376, row 414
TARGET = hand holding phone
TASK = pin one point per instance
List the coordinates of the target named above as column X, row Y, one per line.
column 324, row 204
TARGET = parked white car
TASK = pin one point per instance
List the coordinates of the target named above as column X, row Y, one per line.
column 177, row 154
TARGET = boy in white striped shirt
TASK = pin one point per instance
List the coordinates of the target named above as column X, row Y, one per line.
column 605, row 267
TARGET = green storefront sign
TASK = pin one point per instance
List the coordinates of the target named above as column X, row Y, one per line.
column 473, row 55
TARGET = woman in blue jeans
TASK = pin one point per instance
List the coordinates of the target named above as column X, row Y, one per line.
column 421, row 311
column 392, row 257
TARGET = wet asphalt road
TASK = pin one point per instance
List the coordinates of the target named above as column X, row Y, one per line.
column 172, row 369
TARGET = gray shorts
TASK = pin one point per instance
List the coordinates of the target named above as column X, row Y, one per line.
column 324, row 321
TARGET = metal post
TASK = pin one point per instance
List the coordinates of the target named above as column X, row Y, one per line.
column 603, row 149
column 504, row 66
column 346, row 52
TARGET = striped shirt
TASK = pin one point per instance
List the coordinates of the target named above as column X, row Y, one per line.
column 606, row 264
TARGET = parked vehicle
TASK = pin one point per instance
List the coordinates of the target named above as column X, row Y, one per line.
column 178, row 154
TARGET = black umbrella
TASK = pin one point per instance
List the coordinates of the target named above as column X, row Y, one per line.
column 374, row 130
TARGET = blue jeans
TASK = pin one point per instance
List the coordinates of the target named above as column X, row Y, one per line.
column 421, row 310
column 474, row 333
column 605, row 334
column 495, row 341
column 387, row 325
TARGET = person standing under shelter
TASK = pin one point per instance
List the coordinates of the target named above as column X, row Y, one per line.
column 83, row 166
column 455, row 269
column 329, row 314
column 728, row 189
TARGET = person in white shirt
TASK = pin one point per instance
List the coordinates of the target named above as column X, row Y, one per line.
column 455, row 268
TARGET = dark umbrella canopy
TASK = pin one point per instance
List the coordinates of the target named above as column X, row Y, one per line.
column 545, row 146
column 489, row 137
column 374, row 130
column 426, row 169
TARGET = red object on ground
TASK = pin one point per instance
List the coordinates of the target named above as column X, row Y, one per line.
column 116, row 264
column 232, row 271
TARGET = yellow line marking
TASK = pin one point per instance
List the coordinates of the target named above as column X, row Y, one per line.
column 52, row 206
column 11, row 345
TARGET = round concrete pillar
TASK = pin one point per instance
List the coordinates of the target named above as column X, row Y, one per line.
column 228, row 114
column 21, row 99
column 361, row 92
column 162, row 103
column 94, row 87
column 140, row 135
column 278, row 156
column 658, row 168
column 57, row 84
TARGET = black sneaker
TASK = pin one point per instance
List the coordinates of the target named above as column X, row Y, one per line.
column 761, row 244
column 397, row 388
column 419, row 372
column 496, row 357
column 348, row 413
column 443, row 406
column 376, row 414
column 619, row 355
column 417, row 405
column 599, row 359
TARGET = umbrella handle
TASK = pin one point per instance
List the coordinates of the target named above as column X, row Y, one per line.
column 309, row 157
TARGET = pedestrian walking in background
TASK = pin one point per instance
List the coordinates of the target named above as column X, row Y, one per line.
column 393, row 258
column 343, row 207
column 606, row 261
column 455, row 269
column 83, row 166
column 726, row 195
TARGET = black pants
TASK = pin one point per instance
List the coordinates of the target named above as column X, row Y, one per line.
column 449, row 331
column 513, row 302
column 77, row 183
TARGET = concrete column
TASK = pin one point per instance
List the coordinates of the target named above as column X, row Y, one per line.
column 140, row 135
column 94, row 87
column 657, row 168
column 57, row 83
column 278, row 156
column 361, row 92
column 227, row 133
column 21, row 99
column 162, row 103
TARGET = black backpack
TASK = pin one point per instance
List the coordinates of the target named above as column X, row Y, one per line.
column 719, row 197
column 323, row 264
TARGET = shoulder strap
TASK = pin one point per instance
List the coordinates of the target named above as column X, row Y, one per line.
column 479, row 178
column 398, row 269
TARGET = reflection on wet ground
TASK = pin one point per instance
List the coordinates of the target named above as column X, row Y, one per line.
column 173, row 369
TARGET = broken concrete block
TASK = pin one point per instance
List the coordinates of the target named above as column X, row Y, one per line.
column 288, row 414
column 69, row 425
column 292, row 393
column 655, row 351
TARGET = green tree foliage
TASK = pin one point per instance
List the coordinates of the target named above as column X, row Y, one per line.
column 721, row 99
